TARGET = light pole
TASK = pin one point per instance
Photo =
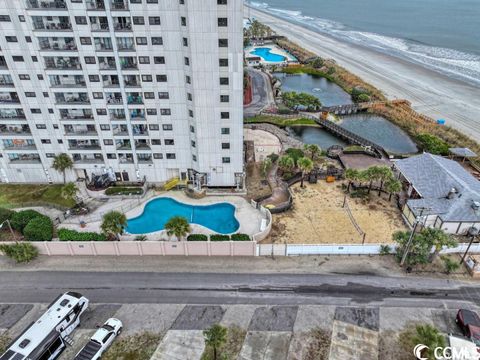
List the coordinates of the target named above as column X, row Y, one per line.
column 473, row 231
column 10, row 227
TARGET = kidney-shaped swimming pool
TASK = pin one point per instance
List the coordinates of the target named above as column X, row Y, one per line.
column 218, row 217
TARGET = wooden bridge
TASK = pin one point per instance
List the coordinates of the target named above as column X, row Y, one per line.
column 354, row 108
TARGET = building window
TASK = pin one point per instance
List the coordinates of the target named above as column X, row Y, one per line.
column 30, row 94
column 169, row 142
column 154, row 127
column 223, row 62
column 105, row 127
column 156, row 142
column 171, row 156
column 149, row 95
column 185, row 42
column 35, row 111
column 225, row 146
column 187, row 61
column 161, row 78
column 194, row 157
column 45, row 94
column 221, row 2
column 46, row 141
column 157, row 40
column 101, row 111
column 89, row 59
column 111, row 156
column 159, row 59
column 158, row 156
column 167, row 127
column 94, row 78
column 50, row 111
column 188, row 80
column 141, row 41
column 98, row 95
column 224, row 98
column 183, row 21
column 39, row 76
column 50, row 155
column 146, row 78
column 41, row 126
column 222, row 42
column 11, row 38
column 151, row 111
column 152, row 1
column 81, row 20
column 193, row 144
column 138, row 20
column 107, row 142
column 192, row 129
column 165, row 112
column 225, row 115
column 144, row 60
column 225, row 131
column 189, row 97
column 24, row 77
column 28, row 39
column 163, row 95
column 190, row 113
column 154, row 20
column 86, row 41
column 17, row 58
column 224, row 81
column 222, row 22
column 226, row 160
column 4, row 18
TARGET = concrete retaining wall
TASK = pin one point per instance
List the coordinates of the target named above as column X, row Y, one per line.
column 140, row 248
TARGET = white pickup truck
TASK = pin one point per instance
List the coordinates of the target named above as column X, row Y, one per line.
column 101, row 340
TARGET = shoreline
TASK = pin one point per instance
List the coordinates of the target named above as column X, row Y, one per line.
column 431, row 93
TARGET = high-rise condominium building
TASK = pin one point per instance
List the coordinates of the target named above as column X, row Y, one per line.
column 135, row 88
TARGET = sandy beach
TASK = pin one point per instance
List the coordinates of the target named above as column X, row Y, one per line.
column 430, row 93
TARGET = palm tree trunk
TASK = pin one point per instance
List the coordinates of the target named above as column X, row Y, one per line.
column 301, row 183
column 390, row 197
column 370, row 187
column 214, row 353
column 64, row 178
column 381, row 187
column 348, row 187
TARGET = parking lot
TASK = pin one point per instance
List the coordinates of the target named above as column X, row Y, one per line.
column 271, row 332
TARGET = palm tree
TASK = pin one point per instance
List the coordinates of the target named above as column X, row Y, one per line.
column 393, row 186
column 113, row 224
column 351, row 175
column 313, row 150
column 384, row 173
column 286, row 163
column 69, row 191
column 215, row 337
column 266, row 166
column 429, row 336
column 178, row 226
column 438, row 238
column 306, row 166
column 61, row 163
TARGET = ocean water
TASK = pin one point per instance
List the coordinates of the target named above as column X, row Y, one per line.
column 443, row 35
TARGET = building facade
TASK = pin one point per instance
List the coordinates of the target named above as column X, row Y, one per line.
column 134, row 88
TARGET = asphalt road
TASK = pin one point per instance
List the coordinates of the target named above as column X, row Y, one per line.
column 262, row 93
column 214, row 288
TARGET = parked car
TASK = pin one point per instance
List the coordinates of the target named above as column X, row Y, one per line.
column 101, row 340
column 469, row 322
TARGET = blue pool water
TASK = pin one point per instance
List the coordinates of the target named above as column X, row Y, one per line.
column 217, row 217
column 266, row 55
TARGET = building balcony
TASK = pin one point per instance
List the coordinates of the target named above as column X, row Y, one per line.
column 88, row 130
column 24, row 159
column 87, row 159
column 119, row 5
column 107, row 64
column 145, row 159
column 123, row 145
column 9, row 98
column 99, row 27
column 12, row 114
column 71, row 100
column 68, row 81
column 84, row 147
column 20, row 147
column 20, row 130
column 114, row 100
column 63, row 64
column 103, row 47
column 117, row 115
column 95, row 4
column 125, row 158
column 49, row 5
column 49, row 23
column 6, row 81
column 80, row 114
column 126, row 47
column 58, row 46
column 122, row 26
column 142, row 145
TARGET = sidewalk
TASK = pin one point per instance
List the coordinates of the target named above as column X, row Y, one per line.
column 337, row 265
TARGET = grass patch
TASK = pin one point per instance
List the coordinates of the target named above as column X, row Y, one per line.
column 4, row 342
column 16, row 195
column 279, row 121
column 120, row 190
column 232, row 347
column 135, row 347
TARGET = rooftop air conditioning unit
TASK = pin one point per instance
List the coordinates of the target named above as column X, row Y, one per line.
column 476, row 205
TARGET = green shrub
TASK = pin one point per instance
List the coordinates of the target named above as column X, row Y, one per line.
column 274, row 157
column 385, row 250
column 450, row 265
column 432, row 144
column 197, row 237
column 5, row 214
column 20, row 252
column 39, row 229
column 363, row 98
column 20, row 219
column 240, row 237
column 141, row 238
column 73, row 235
column 295, row 154
column 120, row 190
column 218, row 237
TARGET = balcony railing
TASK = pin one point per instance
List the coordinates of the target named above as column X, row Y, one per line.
column 119, row 5
column 80, row 132
column 95, row 5
column 114, row 100
column 9, row 99
column 63, row 64
column 125, row 160
column 5, row 83
column 145, row 160
column 134, row 99
column 122, row 26
column 84, row 147
column 72, row 100
column 14, row 114
column 126, row 47
column 58, row 46
column 25, row 146
column 52, row 26
column 87, row 160
column 100, row 27
column 15, row 130
column 44, row 4
column 26, row 159
column 117, row 116
column 69, row 116
column 110, row 65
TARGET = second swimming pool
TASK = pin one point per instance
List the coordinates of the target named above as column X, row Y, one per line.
column 218, row 217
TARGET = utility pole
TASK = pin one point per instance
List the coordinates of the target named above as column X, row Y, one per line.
column 473, row 231
column 412, row 234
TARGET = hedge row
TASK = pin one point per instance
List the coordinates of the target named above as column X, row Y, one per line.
column 73, row 235
column 120, row 190
column 218, row 237
column 33, row 225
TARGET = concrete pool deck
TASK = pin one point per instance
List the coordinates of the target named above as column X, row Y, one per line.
column 250, row 219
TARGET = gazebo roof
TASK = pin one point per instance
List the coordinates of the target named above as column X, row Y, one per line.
column 463, row 152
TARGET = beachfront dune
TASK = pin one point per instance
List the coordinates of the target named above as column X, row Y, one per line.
column 431, row 93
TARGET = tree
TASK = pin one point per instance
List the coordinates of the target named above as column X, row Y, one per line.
column 393, row 186
column 295, row 154
column 384, row 173
column 286, row 163
column 113, row 224
column 438, row 239
column 313, row 150
column 317, row 63
column 429, row 336
column 294, row 100
column 432, row 144
column 178, row 226
column 20, row 252
column 306, row 166
column 351, row 175
column 266, row 166
column 69, row 191
column 61, row 163
column 215, row 337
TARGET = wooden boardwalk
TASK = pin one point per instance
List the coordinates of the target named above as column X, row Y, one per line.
column 354, row 108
